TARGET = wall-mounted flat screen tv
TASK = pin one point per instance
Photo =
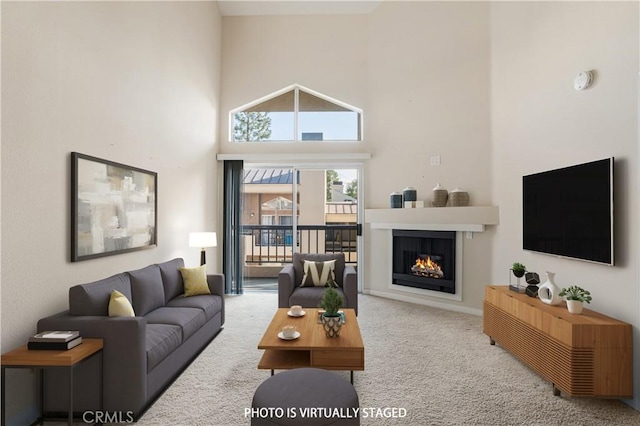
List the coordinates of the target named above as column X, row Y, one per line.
column 568, row 212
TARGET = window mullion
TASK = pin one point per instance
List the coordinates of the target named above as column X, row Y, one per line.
column 296, row 104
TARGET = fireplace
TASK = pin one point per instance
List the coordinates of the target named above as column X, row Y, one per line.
column 425, row 259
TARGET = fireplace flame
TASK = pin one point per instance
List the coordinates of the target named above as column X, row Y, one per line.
column 427, row 268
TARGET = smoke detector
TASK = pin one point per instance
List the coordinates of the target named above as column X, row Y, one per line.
column 583, row 80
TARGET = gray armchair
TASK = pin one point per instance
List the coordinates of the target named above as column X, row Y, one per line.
column 289, row 279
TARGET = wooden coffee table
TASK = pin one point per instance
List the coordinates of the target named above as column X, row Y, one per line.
column 313, row 348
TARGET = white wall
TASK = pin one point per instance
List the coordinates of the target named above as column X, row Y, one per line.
column 132, row 82
column 420, row 72
column 263, row 54
column 428, row 85
column 540, row 122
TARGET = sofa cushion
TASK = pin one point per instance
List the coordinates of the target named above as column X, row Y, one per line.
column 161, row 340
column 146, row 289
column 171, row 278
column 93, row 298
column 309, row 297
column 210, row 304
column 318, row 257
column 119, row 305
column 188, row 319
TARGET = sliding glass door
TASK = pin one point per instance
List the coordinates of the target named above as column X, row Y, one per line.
column 269, row 209
column 294, row 209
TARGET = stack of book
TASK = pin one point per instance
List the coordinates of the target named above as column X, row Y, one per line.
column 54, row 340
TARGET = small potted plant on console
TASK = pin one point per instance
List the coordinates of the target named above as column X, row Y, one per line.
column 331, row 301
column 575, row 296
column 518, row 269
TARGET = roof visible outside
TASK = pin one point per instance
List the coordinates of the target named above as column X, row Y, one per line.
column 270, row 176
column 341, row 208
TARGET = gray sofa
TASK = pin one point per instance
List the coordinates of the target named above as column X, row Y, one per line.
column 289, row 279
column 142, row 355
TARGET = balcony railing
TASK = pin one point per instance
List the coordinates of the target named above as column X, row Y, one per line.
column 268, row 244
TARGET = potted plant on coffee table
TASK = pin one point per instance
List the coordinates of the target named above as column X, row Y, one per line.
column 576, row 296
column 331, row 301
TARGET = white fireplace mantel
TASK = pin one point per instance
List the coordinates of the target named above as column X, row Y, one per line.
column 473, row 218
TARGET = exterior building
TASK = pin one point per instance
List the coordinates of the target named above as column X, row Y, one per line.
column 267, row 218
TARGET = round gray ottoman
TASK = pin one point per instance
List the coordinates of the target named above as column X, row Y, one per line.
column 305, row 396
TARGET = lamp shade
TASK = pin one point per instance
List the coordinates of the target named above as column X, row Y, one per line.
column 202, row 239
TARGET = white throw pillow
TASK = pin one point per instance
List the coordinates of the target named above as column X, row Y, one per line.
column 316, row 274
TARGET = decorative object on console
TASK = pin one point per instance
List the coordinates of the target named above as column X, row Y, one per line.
column 459, row 198
column 440, row 196
column 576, row 296
column 395, row 200
column 531, row 290
column 517, row 270
column 331, row 301
column 413, row 204
column 113, row 208
column 409, row 194
column 549, row 292
column 532, row 279
column 202, row 240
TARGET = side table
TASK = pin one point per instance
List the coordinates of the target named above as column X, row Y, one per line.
column 43, row 359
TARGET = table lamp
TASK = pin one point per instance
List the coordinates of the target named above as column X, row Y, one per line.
column 202, row 240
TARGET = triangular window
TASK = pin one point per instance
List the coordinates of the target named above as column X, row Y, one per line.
column 296, row 114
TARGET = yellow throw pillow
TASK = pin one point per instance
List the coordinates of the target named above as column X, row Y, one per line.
column 119, row 305
column 195, row 281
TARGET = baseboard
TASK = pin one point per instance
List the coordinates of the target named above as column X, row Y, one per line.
column 424, row 302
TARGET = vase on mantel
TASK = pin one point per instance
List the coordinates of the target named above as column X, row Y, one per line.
column 549, row 292
column 440, row 196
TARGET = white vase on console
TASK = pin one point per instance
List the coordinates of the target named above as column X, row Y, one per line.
column 549, row 292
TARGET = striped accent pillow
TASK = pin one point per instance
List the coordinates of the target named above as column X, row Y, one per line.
column 316, row 274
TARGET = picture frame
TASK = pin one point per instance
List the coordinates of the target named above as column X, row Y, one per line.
column 113, row 208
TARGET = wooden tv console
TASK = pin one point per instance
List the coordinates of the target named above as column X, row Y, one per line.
column 581, row 355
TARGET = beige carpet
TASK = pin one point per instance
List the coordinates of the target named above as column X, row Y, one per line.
column 436, row 364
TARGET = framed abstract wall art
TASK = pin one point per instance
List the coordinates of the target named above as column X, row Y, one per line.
column 113, row 208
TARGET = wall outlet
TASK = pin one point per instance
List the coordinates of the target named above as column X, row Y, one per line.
column 435, row 160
